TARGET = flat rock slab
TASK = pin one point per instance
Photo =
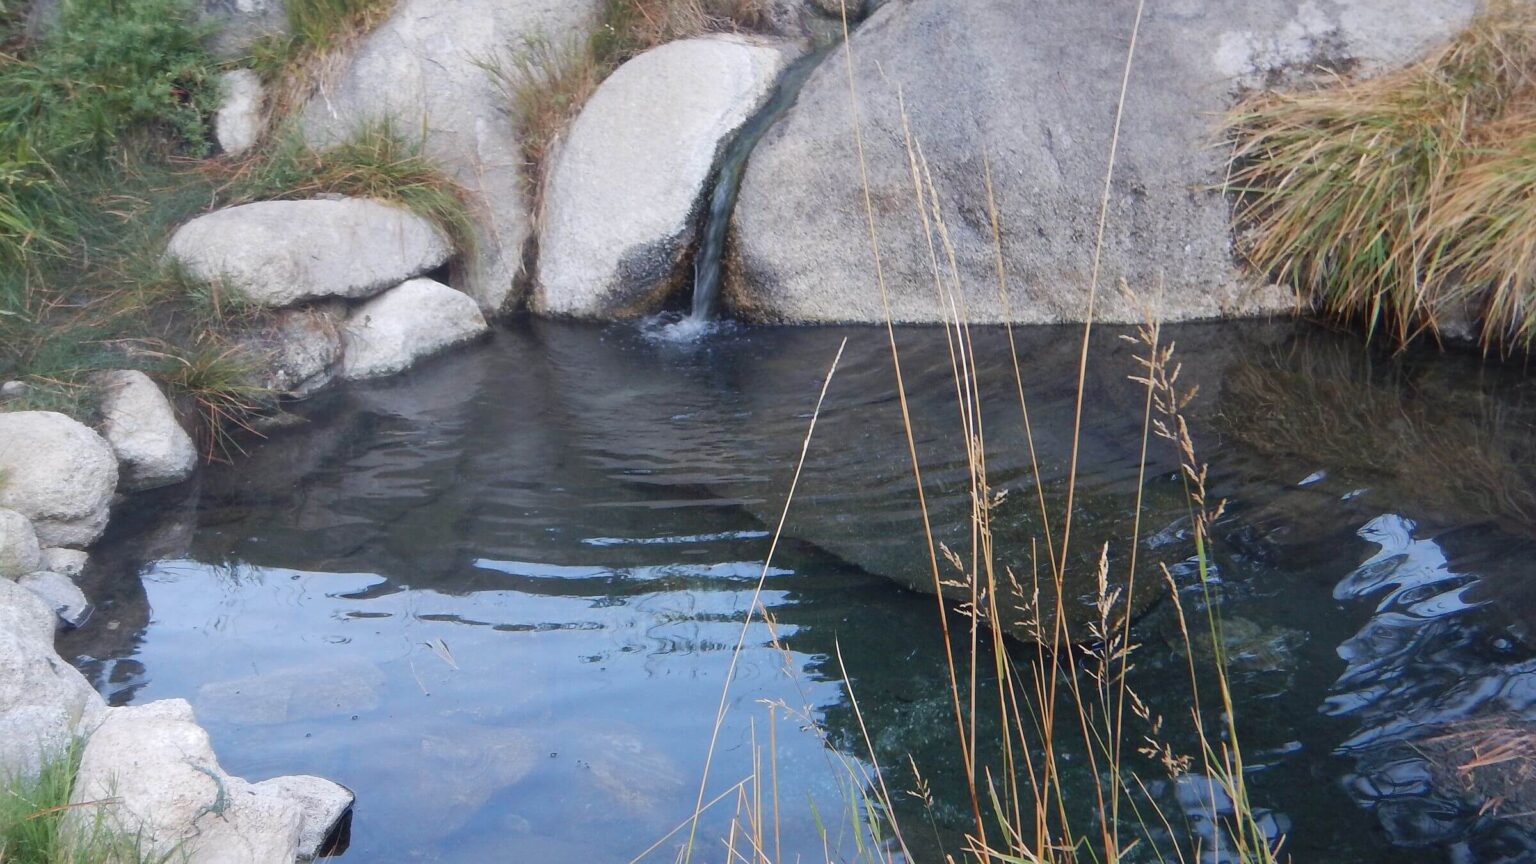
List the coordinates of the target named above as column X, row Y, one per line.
column 1030, row 91
column 278, row 253
column 58, row 473
column 392, row 331
column 626, row 197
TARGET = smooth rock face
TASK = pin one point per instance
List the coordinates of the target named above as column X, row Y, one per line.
column 390, row 332
column 155, row 763
column 19, row 553
column 44, row 702
column 138, row 421
column 282, row 252
column 1032, row 88
column 238, row 124
column 422, row 70
column 322, row 804
column 68, row 562
column 62, row 596
column 627, row 194
column 58, row 473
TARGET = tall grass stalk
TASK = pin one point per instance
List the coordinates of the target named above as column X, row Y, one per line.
column 1071, row 691
column 33, row 825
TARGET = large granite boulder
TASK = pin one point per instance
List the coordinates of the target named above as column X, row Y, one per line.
column 138, row 421
column 278, row 253
column 58, row 473
column 19, row 550
column 424, row 70
column 392, row 331
column 628, row 191
column 45, row 703
column 1032, row 88
column 151, row 771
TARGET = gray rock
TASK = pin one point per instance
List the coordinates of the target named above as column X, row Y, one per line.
column 238, row 24
column 69, row 562
column 62, row 596
column 322, row 806
column 240, row 120
column 300, row 348
column 1032, row 88
column 317, row 689
column 138, row 421
column 45, row 703
column 627, row 193
column 12, row 389
column 278, row 253
column 19, row 553
column 423, row 70
column 391, row 332
column 57, row 473
column 155, row 769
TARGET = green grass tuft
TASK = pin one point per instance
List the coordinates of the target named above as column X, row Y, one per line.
column 32, row 822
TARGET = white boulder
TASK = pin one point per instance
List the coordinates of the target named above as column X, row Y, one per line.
column 156, row 770
column 238, row 124
column 138, row 421
column 322, row 806
column 61, row 594
column 19, row 553
column 629, row 188
column 424, row 70
column 58, row 473
column 390, row 332
column 45, row 703
column 69, row 562
column 278, row 253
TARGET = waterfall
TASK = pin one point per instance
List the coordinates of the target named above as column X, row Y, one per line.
column 722, row 200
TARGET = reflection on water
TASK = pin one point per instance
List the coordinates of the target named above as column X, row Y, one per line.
column 497, row 596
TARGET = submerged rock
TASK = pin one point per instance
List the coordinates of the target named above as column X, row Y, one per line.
column 19, row 553
column 278, row 253
column 1029, row 91
column 45, row 703
column 319, row 689
column 627, row 194
column 62, row 596
column 58, row 473
column 424, row 71
column 138, row 421
column 151, row 772
column 391, row 332
column 238, row 124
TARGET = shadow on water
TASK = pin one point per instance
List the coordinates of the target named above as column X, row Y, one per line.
column 496, row 596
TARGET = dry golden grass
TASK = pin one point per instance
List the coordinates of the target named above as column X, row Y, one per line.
column 1401, row 199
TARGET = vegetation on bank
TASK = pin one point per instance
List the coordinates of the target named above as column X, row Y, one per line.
column 104, row 130
column 1408, row 200
column 32, row 821
column 547, row 82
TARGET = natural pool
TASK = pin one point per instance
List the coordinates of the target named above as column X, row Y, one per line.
column 497, row 596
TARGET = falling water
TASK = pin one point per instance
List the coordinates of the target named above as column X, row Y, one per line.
column 706, row 266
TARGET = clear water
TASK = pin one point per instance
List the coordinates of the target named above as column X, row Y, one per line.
column 497, row 596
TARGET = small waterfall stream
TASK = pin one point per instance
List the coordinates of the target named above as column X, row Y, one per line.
column 722, row 201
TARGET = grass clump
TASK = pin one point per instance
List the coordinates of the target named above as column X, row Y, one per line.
column 316, row 28
column 547, row 83
column 32, row 821
column 375, row 162
column 1402, row 199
